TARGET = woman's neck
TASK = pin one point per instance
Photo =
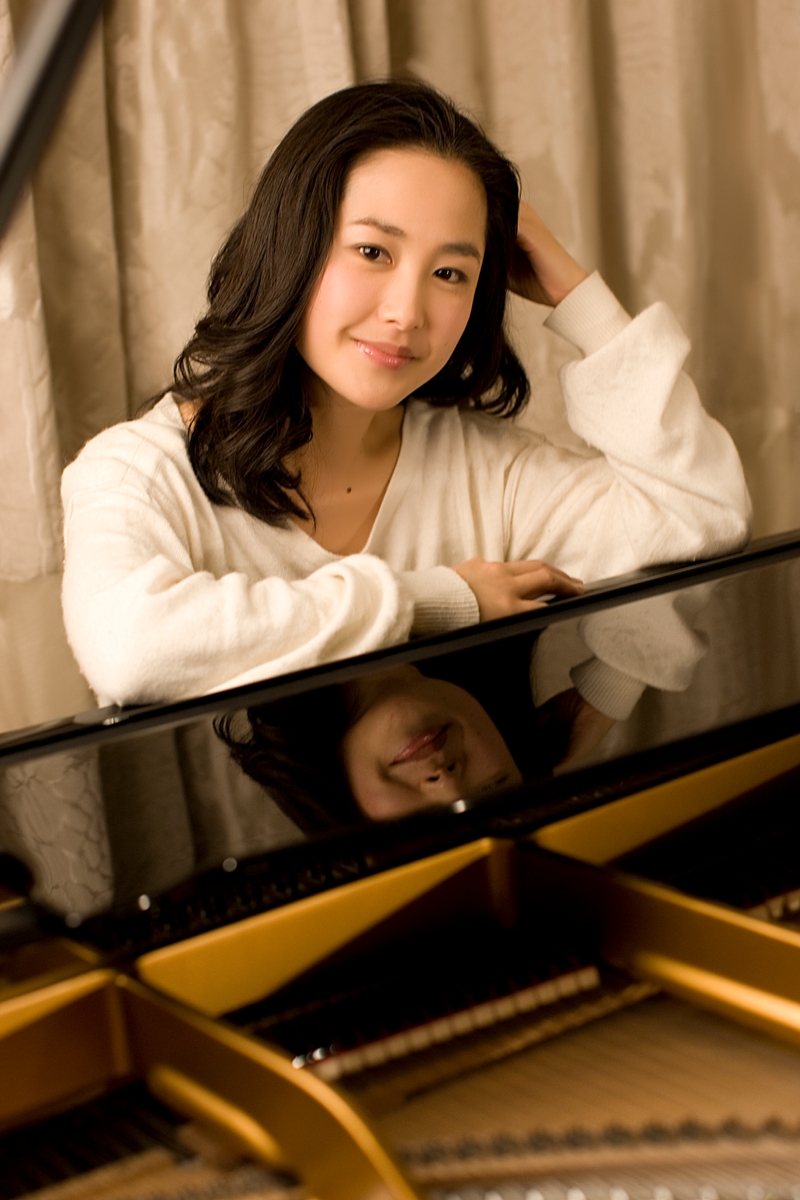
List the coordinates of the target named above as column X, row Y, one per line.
column 346, row 468
column 345, row 437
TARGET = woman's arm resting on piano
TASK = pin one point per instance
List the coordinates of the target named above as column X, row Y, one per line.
column 147, row 624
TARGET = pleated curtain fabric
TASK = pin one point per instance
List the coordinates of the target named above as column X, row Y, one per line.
column 660, row 138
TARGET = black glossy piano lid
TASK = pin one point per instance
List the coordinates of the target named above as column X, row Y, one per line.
column 132, row 828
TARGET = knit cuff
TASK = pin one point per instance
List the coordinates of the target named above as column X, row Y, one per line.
column 608, row 690
column 442, row 601
column 590, row 316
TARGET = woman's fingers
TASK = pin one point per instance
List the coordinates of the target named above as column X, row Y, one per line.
column 542, row 269
column 526, row 566
column 503, row 589
column 538, row 579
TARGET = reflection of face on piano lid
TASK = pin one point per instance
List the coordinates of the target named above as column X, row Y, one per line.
column 413, row 742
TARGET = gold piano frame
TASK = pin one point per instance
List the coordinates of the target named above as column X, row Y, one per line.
column 68, row 1038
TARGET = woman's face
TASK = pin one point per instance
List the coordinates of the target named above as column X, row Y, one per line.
column 396, row 292
column 414, row 742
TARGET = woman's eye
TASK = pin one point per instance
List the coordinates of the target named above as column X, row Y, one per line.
column 450, row 275
column 370, row 253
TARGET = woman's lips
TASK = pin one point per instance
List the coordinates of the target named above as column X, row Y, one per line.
column 423, row 745
column 385, row 354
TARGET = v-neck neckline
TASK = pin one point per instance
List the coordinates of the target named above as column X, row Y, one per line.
column 392, row 496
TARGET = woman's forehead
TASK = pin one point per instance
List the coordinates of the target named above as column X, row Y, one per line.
column 404, row 188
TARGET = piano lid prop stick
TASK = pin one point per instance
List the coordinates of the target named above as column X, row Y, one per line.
column 48, row 54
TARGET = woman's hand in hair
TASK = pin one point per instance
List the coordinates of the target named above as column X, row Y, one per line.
column 503, row 589
column 542, row 269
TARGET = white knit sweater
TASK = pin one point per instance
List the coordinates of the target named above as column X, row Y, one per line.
column 167, row 595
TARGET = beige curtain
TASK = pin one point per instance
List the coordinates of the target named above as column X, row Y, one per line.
column 660, row 138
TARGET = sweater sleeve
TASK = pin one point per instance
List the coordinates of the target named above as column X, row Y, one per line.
column 664, row 482
column 648, row 643
column 611, row 656
column 147, row 625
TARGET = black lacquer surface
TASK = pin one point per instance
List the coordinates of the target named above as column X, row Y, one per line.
column 139, row 827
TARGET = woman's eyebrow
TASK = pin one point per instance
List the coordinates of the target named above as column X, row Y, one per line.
column 466, row 249
column 389, row 230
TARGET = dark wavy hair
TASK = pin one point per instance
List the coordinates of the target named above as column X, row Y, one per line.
column 291, row 748
column 241, row 366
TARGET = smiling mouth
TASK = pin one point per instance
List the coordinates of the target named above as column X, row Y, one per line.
column 386, row 355
column 423, row 745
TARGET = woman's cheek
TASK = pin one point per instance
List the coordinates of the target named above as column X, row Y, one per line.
column 456, row 324
column 351, row 293
column 461, row 310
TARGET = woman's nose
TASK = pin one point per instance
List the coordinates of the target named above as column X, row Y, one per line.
column 403, row 301
column 443, row 769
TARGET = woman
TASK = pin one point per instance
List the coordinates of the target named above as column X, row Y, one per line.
column 328, row 474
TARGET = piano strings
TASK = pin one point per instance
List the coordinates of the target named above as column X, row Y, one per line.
column 128, row 1122
column 659, row 1095
column 127, row 1146
column 403, row 1018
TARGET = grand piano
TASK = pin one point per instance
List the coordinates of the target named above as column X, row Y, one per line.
column 267, row 942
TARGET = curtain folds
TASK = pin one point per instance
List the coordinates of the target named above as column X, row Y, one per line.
column 660, row 138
